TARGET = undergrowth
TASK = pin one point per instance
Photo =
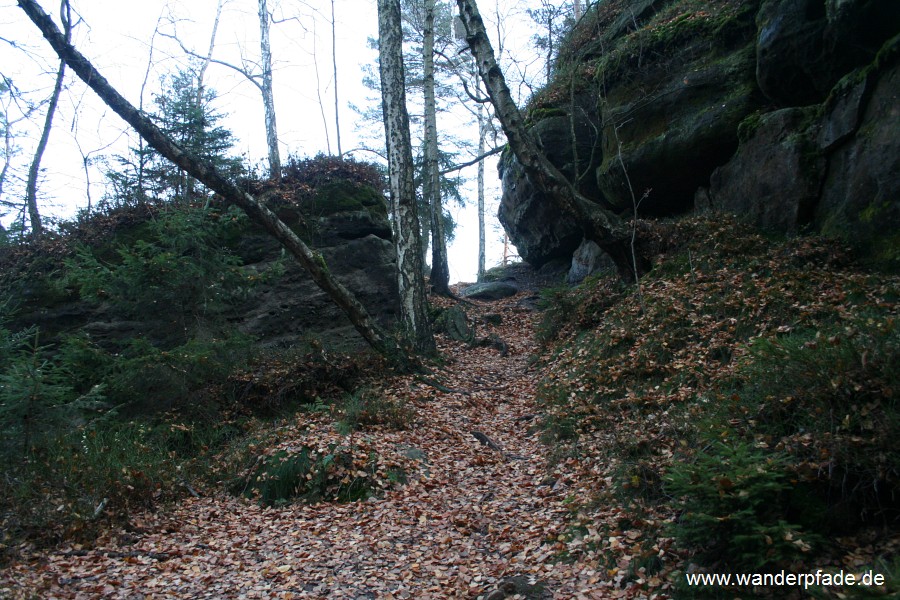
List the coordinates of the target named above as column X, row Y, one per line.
column 93, row 428
column 748, row 412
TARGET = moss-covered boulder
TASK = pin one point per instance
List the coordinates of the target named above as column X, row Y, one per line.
column 340, row 212
column 832, row 165
column 791, row 104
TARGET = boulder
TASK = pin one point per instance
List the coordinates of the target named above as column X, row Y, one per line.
column 490, row 290
column 654, row 89
column 349, row 227
column 588, row 259
column 538, row 229
column 454, row 322
column 355, row 242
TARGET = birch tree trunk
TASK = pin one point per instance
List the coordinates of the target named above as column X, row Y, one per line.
column 208, row 59
column 34, row 171
column 603, row 227
column 267, row 92
column 205, row 173
column 431, row 184
column 201, row 76
column 407, row 237
column 482, row 135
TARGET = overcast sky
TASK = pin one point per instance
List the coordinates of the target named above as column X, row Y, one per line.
column 118, row 36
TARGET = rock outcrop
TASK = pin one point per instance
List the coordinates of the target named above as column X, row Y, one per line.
column 773, row 109
column 346, row 223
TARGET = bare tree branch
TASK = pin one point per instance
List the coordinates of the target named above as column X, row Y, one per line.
column 474, row 161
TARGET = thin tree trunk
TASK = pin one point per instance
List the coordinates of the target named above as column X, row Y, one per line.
column 577, row 8
column 337, row 106
column 7, row 151
column 407, row 238
column 201, row 75
column 37, row 228
column 319, row 90
column 482, row 134
column 209, row 53
column 431, row 186
column 267, row 92
column 204, row 172
column 600, row 225
column 142, row 151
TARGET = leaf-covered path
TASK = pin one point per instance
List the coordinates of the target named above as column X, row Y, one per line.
column 470, row 520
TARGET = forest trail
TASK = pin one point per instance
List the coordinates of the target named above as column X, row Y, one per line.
column 471, row 519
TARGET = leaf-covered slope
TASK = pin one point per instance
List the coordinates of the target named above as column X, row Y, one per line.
column 739, row 411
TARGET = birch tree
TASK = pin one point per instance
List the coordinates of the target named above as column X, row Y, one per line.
column 267, row 92
column 483, row 121
column 407, row 240
column 258, row 212
column 37, row 228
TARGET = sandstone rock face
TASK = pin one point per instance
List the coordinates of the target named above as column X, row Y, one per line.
column 773, row 109
column 806, row 46
column 832, row 165
column 537, row 228
column 350, row 230
column 776, row 176
column 349, row 226
column 861, row 194
column 291, row 310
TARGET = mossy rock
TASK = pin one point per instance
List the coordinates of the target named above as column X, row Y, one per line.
column 454, row 322
column 345, row 196
column 495, row 290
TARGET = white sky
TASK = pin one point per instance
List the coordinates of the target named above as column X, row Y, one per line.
column 116, row 36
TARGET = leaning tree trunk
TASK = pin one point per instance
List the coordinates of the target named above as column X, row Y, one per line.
column 267, row 93
column 407, row 237
column 600, row 225
column 37, row 228
column 205, row 173
column 440, row 269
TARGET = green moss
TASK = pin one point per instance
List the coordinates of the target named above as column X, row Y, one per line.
column 539, row 114
column 345, row 196
column 680, row 23
column 748, row 126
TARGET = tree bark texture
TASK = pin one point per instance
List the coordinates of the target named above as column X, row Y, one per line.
column 407, row 236
column 600, row 225
column 267, row 93
column 204, row 172
column 431, row 185
column 482, row 135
